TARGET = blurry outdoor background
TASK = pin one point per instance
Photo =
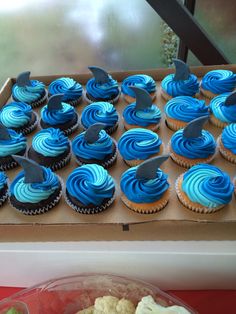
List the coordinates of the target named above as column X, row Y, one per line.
column 56, row 36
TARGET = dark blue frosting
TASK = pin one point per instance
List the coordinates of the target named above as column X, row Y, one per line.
column 188, row 87
column 144, row 117
column 56, row 117
column 104, row 91
column 220, row 111
column 219, row 81
column 228, row 137
column 15, row 114
column 71, row 89
column 3, row 179
column 138, row 80
column 28, row 94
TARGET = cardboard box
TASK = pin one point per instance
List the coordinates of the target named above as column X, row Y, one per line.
column 175, row 222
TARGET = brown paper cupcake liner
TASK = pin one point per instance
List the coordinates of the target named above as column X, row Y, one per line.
column 71, row 129
column 62, row 163
column 112, row 101
column 226, row 153
column 175, row 125
column 41, row 101
column 217, row 122
column 30, row 128
column 5, row 195
column 207, row 93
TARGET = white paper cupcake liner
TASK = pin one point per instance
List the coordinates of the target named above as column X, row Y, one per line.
column 112, row 101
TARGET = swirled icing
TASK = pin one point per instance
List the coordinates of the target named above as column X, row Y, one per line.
column 90, row 184
column 219, row 81
column 16, row 144
column 56, row 117
column 144, row 117
column 174, row 88
column 104, row 91
column 138, row 80
column 71, row 89
column 139, row 144
column 221, row 111
column 15, row 114
column 143, row 191
column 34, row 192
column 98, row 150
column 207, row 185
column 28, row 94
column 50, row 142
column 228, row 137
column 199, row 147
column 3, row 179
column 99, row 112
column 186, row 108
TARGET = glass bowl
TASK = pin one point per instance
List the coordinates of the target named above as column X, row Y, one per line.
column 68, row 295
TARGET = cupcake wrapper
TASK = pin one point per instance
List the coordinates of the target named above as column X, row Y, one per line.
column 62, row 163
column 41, row 101
column 165, row 96
column 72, row 129
column 129, row 99
column 153, row 127
column 217, row 122
column 173, row 126
column 112, row 101
column 75, row 102
column 30, row 128
column 207, row 93
column 4, row 198
column 225, row 153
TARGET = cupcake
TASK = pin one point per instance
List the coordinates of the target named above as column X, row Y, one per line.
column 11, row 143
column 136, row 145
column 142, row 113
column 50, row 148
column 223, row 110
column 95, row 146
column 182, row 83
column 138, row 80
column 72, row 91
column 217, row 82
column 102, row 87
column 192, row 145
column 180, row 110
column 36, row 189
column 19, row 117
column 31, row 92
column 59, row 115
column 227, row 143
column 90, row 189
column 100, row 112
column 3, row 188
column 145, row 188
column 204, row 188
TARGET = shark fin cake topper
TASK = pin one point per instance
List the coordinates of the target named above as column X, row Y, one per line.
column 4, row 133
column 231, row 100
column 55, row 102
column 100, row 75
column 148, row 169
column 194, row 128
column 182, row 71
column 143, row 98
column 92, row 133
column 23, row 79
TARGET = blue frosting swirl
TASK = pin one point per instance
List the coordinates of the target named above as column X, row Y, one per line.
column 139, row 144
column 28, row 94
column 98, row 150
column 188, row 87
column 186, row 108
column 144, row 117
column 138, row 80
column 220, row 111
column 50, row 142
column 143, row 191
column 199, row 147
column 3, row 179
column 56, row 117
column 15, row 114
column 34, row 192
column 219, row 81
column 90, row 184
column 99, row 112
column 207, row 185
column 104, row 91
column 228, row 137
column 16, row 144
column 71, row 89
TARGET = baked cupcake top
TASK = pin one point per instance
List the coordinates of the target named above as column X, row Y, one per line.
column 219, row 81
column 58, row 116
column 3, row 179
column 99, row 112
column 50, row 142
column 139, row 144
column 12, row 144
column 228, row 137
column 90, row 184
column 186, row 108
column 222, row 111
column 16, row 114
column 139, row 80
column 67, row 86
column 207, row 185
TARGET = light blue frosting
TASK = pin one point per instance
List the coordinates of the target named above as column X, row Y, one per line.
column 56, row 117
column 14, row 145
column 219, row 81
column 207, row 185
column 138, row 80
column 28, row 94
column 199, row 147
column 228, row 137
column 50, row 142
column 99, row 112
column 90, row 184
column 3, row 179
column 145, row 190
column 34, row 192
column 139, row 144
column 15, row 114
column 186, row 108
column 71, row 89
column 98, row 150
column 188, row 87
column 144, row 117
column 220, row 111
column 104, row 91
